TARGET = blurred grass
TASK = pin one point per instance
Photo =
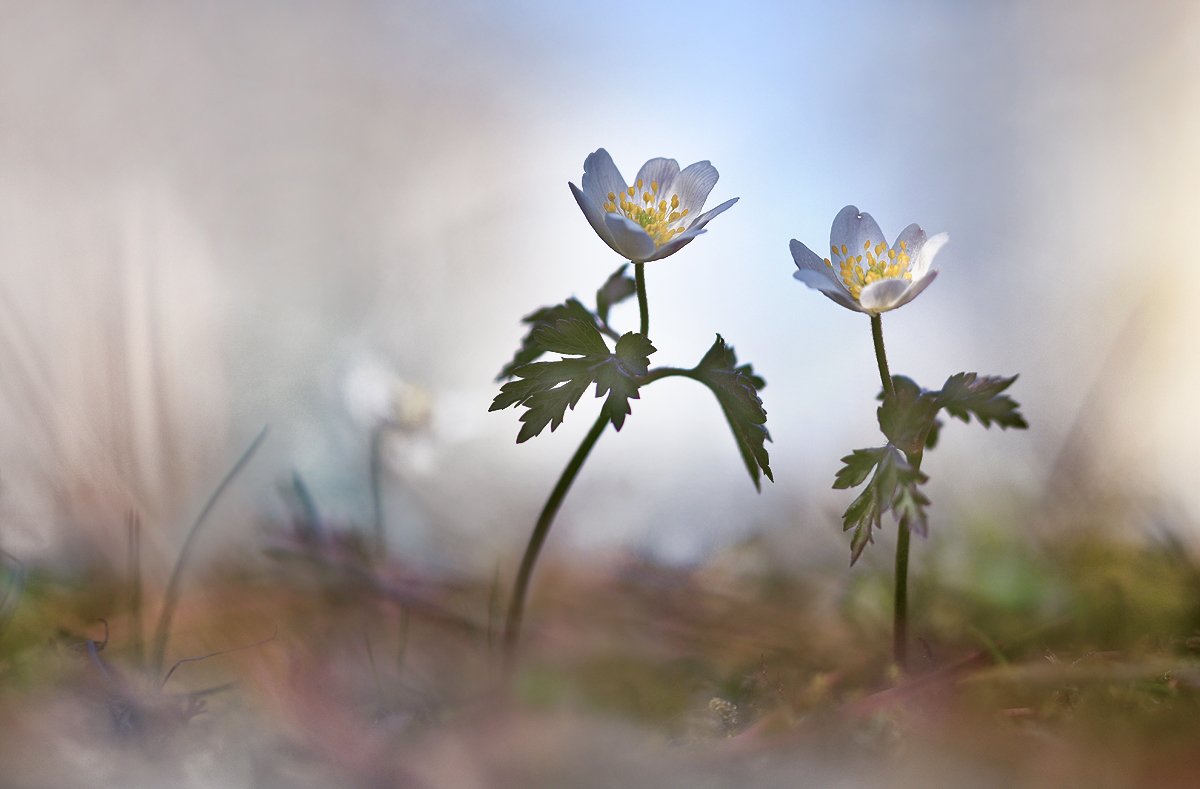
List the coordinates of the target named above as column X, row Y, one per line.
column 1086, row 643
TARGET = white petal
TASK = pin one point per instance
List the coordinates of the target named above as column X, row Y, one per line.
column 925, row 256
column 883, row 295
column 707, row 216
column 914, row 238
column 594, row 214
column 676, row 243
column 818, row 281
column 628, row 238
column 854, row 229
column 915, row 288
column 693, row 185
column 601, row 177
column 662, row 171
column 807, row 259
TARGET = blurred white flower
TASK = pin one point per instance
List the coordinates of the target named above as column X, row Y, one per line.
column 656, row 216
column 375, row 396
column 865, row 274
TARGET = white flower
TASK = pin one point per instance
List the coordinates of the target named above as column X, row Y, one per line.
column 656, row 216
column 865, row 274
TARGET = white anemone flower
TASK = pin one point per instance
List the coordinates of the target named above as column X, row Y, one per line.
column 656, row 216
column 865, row 274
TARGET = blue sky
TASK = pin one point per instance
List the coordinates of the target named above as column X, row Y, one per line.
column 387, row 181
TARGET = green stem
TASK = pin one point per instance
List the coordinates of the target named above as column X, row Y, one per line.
column 881, row 356
column 516, row 607
column 900, row 616
column 639, row 275
column 900, row 624
column 666, row 372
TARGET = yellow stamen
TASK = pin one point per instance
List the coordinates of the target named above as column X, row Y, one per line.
column 651, row 214
column 878, row 266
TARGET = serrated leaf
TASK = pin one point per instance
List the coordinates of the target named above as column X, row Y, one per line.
column 736, row 389
column 964, row 394
column 893, row 486
column 572, row 337
column 548, row 389
column 529, row 351
column 633, row 353
column 862, row 536
column 617, row 376
column 907, row 418
column 909, row 508
column 550, row 406
column 859, row 464
column 935, row 432
column 618, row 288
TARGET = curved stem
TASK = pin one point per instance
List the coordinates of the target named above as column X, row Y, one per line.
column 516, row 606
column 664, row 372
column 171, row 595
column 639, row 275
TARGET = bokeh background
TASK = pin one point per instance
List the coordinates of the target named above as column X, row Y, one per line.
column 223, row 215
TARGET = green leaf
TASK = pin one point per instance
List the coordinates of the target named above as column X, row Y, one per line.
column 935, row 432
column 909, row 507
column 893, row 486
column 862, row 536
column 617, row 377
column 858, row 465
column 618, row 288
column 529, row 350
column 571, row 337
column 969, row 393
column 907, row 418
column 736, row 389
column 549, row 406
column 548, row 389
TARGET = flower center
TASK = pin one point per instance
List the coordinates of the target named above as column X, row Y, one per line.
column 882, row 263
column 655, row 214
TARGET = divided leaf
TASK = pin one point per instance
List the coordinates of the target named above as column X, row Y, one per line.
column 548, row 389
column 618, row 288
column 736, row 389
column 616, row 376
column 893, row 486
column 529, row 350
column 969, row 393
column 858, row 465
column 908, row 418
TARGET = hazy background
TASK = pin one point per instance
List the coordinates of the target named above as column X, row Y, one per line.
column 222, row 215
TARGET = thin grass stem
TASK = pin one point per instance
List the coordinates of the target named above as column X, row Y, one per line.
column 134, row 568
column 171, row 595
